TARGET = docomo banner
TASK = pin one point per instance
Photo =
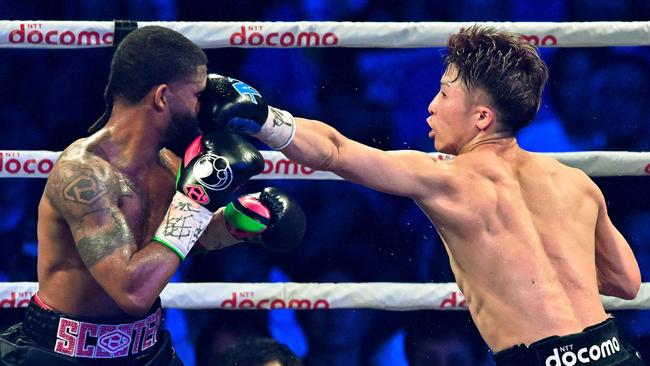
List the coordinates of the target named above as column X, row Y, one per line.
column 37, row 164
column 298, row 296
column 26, row 164
column 277, row 166
column 305, row 296
column 76, row 34
column 308, row 296
column 16, row 294
column 55, row 34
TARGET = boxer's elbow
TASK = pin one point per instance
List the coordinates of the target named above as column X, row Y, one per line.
column 134, row 304
column 624, row 288
column 632, row 284
column 632, row 289
column 625, row 293
column 136, row 298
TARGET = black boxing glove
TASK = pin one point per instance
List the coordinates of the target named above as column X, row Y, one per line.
column 269, row 218
column 214, row 166
column 230, row 104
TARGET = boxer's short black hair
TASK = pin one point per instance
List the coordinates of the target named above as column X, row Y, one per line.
column 147, row 57
column 504, row 66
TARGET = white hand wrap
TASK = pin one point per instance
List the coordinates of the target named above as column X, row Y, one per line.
column 183, row 224
column 278, row 130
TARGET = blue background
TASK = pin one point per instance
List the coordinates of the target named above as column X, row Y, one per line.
column 596, row 99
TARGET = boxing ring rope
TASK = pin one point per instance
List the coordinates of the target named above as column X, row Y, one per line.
column 380, row 295
column 310, row 296
column 38, row 163
column 84, row 34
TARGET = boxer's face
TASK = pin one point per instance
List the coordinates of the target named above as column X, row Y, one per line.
column 184, row 107
column 451, row 114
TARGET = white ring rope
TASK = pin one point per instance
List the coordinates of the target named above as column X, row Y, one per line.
column 38, row 163
column 307, row 296
column 85, row 34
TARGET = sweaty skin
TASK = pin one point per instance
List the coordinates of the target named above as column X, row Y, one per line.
column 103, row 201
column 529, row 240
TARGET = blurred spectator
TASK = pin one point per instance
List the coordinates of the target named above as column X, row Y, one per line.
column 259, row 352
column 636, row 228
column 446, row 338
column 18, row 229
column 241, row 263
column 479, row 10
column 599, row 96
column 636, row 323
column 226, row 329
column 335, row 337
column 333, row 10
column 619, row 87
column 599, row 10
column 538, row 10
column 403, row 83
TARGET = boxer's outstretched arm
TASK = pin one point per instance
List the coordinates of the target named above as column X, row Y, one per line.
column 617, row 269
column 405, row 173
column 86, row 194
column 229, row 104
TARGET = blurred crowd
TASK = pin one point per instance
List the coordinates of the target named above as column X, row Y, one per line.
column 595, row 100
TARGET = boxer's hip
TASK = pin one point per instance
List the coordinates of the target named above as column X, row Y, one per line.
column 72, row 340
column 597, row 345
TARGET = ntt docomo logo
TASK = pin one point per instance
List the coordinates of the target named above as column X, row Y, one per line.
column 285, row 167
column 583, row 355
column 33, row 34
column 16, row 300
column 11, row 163
column 255, row 36
column 246, row 301
column 544, row 40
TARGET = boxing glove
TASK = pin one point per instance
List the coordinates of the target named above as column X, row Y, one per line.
column 269, row 218
column 230, row 104
column 214, row 165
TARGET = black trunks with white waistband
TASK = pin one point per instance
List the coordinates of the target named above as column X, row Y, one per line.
column 597, row 345
column 51, row 338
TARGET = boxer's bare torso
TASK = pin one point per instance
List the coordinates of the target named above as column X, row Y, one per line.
column 85, row 174
column 529, row 239
column 519, row 230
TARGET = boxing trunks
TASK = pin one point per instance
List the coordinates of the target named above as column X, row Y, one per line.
column 597, row 345
column 48, row 338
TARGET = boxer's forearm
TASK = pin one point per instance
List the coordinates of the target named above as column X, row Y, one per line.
column 216, row 235
column 150, row 269
column 315, row 144
column 141, row 281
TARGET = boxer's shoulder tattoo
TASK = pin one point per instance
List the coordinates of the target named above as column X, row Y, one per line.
column 95, row 242
column 81, row 183
column 87, row 196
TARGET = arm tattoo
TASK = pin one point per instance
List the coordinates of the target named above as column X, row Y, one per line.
column 84, row 189
column 87, row 196
column 95, row 244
